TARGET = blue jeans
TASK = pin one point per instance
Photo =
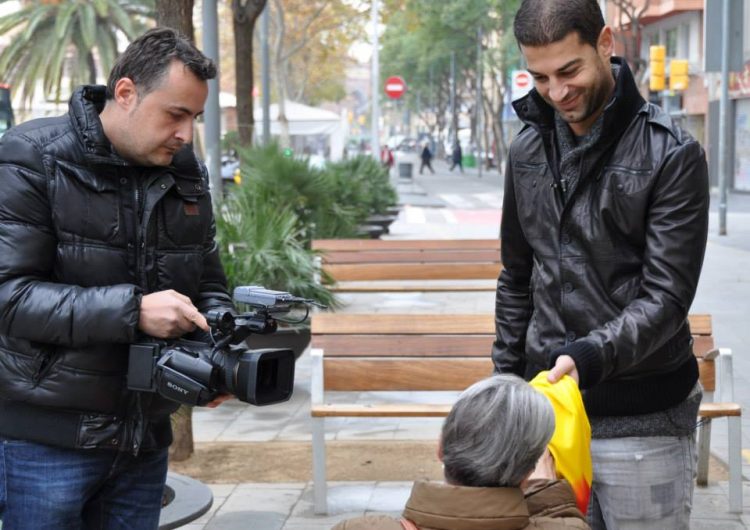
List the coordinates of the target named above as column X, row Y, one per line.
column 642, row 483
column 44, row 487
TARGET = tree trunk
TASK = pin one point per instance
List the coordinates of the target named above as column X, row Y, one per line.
column 281, row 83
column 281, row 78
column 176, row 14
column 92, row 70
column 245, row 13
column 182, row 428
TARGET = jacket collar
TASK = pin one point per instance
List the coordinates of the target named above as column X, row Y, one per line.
column 84, row 107
column 439, row 505
column 626, row 103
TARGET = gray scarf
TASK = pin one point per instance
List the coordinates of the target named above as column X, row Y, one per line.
column 572, row 150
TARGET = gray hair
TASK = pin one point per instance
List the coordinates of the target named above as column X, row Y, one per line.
column 496, row 432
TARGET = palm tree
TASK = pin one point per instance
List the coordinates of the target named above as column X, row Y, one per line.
column 75, row 40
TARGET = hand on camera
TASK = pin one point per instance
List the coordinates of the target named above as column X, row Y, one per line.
column 168, row 315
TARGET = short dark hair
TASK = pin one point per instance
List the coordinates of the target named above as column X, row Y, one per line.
column 147, row 59
column 542, row 22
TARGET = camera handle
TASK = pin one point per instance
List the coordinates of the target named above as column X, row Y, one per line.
column 236, row 328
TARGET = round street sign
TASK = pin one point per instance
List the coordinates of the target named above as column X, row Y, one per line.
column 522, row 80
column 395, row 87
column 521, row 83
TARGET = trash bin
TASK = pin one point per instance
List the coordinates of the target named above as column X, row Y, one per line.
column 469, row 161
column 405, row 170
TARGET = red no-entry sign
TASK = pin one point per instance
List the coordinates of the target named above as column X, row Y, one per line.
column 522, row 80
column 521, row 83
column 395, row 87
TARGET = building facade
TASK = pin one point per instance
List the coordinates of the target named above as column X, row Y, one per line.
column 678, row 25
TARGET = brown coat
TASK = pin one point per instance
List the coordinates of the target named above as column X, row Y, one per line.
column 548, row 505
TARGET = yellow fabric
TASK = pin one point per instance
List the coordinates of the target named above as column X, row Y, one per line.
column 571, row 443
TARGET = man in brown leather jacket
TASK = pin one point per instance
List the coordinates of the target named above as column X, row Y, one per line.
column 495, row 479
column 604, row 227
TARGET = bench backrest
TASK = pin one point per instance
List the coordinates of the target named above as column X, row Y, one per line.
column 422, row 259
column 372, row 352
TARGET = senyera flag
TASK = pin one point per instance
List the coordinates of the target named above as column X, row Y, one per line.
column 571, row 443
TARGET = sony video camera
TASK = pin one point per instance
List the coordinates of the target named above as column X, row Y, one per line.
column 195, row 373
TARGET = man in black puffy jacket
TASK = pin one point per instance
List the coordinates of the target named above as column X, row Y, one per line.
column 106, row 234
column 604, row 228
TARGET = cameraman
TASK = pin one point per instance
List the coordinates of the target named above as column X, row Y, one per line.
column 106, row 233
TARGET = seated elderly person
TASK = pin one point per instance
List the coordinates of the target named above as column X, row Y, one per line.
column 498, row 473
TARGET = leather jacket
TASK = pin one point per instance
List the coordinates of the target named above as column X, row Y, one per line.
column 608, row 273
column 83, row 236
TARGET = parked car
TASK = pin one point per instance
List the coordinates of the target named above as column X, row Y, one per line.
column 230, row 171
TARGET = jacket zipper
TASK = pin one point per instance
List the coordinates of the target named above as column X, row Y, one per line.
column 139, row 243
column 135, row 421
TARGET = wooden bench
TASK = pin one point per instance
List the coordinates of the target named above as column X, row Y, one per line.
column 435, row 352
column 362, row 265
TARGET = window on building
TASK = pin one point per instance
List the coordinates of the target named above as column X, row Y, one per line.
column 670, row 41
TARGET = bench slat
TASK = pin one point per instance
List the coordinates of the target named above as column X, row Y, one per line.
column 406, row 324
column 381, row 410
column 405, row 244
column 404, row 345
column 411, row 287
column 413, row 256
column 368, row 374
column 430, row 345
column 397, row 324
column 707, row 375
column 413, row 271
column 719, row 410
column 702, row 344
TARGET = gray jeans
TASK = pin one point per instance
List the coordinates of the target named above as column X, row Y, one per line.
column 642, row 483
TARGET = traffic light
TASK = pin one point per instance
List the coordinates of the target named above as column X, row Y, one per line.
column 678, row 74
column 656, row 65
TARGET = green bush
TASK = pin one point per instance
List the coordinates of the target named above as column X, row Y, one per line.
column 374, row 194
column 266, row 224
column 310, row 193
column 262, row 244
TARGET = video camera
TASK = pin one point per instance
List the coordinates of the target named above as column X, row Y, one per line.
column 195, row 373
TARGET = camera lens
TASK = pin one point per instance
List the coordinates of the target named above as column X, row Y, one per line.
column 263, row 377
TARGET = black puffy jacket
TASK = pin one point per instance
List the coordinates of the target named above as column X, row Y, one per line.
column 83, row 235
column 611, row 271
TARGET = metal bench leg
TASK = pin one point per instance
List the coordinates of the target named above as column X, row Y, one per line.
column 319, row 466
column 704, row 444
column 735, row 464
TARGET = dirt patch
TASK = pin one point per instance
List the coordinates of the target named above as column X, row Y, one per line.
column 372, row 460
column 292, row 461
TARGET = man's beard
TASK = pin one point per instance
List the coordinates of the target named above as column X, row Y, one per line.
column 593, row 98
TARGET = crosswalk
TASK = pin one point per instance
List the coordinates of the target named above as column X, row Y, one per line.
column 472, row 201
column 459, row 208
column 416, row 215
